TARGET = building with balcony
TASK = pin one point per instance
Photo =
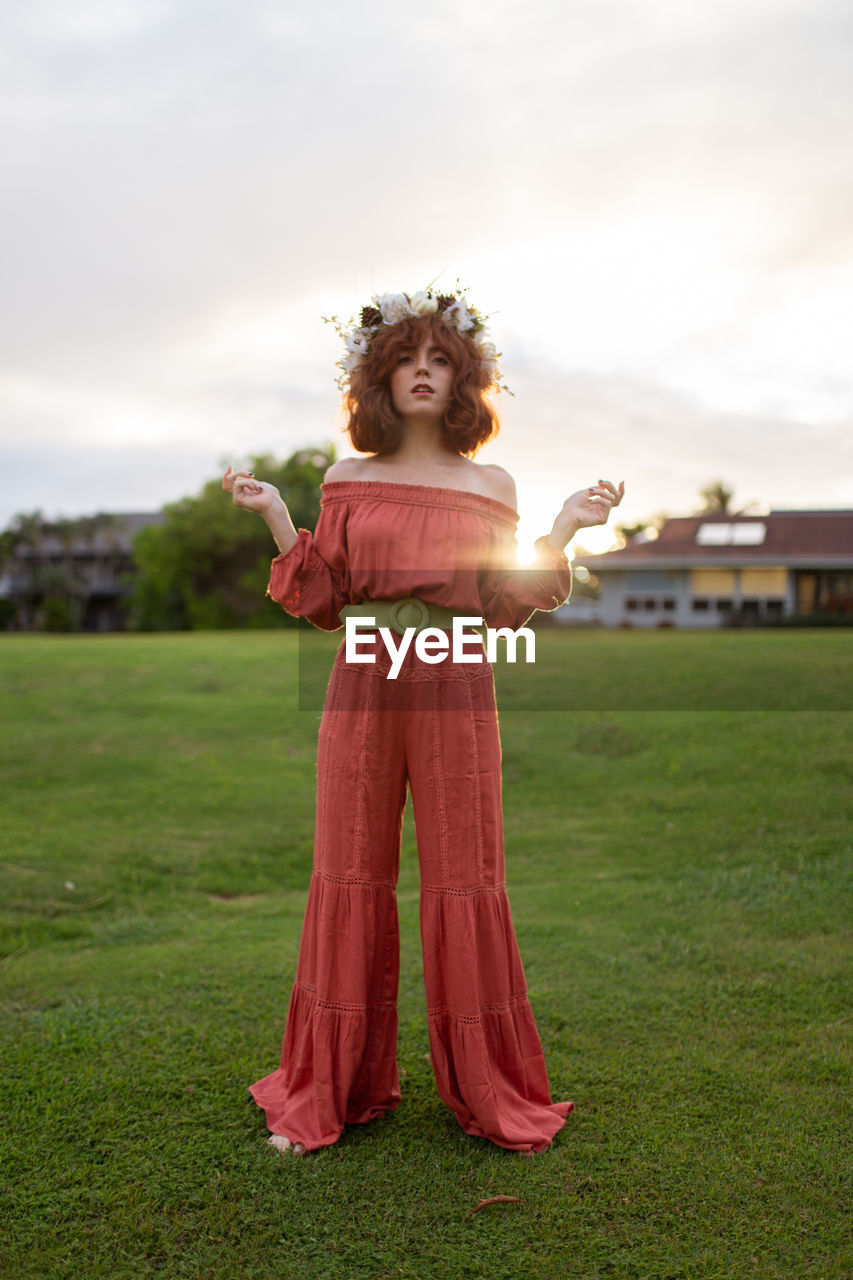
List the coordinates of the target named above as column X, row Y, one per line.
column 71, row 574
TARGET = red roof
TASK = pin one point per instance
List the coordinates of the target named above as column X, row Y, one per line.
column 807, row 539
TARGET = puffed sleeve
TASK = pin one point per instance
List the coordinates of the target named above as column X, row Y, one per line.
column 509, row 595
column 311, row 580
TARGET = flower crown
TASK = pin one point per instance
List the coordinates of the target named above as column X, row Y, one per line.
column 390, row 308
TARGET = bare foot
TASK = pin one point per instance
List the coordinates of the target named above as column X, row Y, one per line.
column 284, row 1145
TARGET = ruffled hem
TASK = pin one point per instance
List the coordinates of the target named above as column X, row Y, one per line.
column 487, row 1056
column 338, row 1067
column 491, row 1073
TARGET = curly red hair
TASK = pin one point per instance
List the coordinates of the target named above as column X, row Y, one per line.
column 372, row 422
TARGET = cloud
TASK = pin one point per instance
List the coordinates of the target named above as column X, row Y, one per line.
column 563, row 432
column 654, row 197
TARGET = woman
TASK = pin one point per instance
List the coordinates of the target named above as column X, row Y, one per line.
column 416, row 520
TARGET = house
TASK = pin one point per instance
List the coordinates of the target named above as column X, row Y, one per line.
column 71, row 574
column 718, row 570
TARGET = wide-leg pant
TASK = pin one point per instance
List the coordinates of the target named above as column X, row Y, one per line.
column 435, row 730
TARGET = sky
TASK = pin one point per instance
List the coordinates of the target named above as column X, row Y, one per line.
column 652, row 200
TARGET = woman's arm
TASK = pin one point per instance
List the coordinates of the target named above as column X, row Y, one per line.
column 310, row 578
column 508, row 594
column 265, row 499
column 583, row 510
column 586, row 507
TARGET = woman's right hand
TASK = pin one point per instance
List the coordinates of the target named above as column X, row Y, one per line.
column 249, row 493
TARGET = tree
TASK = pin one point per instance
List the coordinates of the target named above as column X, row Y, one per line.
column 66, row 590
column 9, row 539
column 628, row 533
column 717, row 498
column 207, row 565
column 25, row 562
column 642, row 531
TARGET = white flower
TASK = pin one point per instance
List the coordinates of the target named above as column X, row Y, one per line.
column 358, row 342
column 423, row 303
column 396, row 307
column 488, row 357
column 459, row 316
column 393, row 306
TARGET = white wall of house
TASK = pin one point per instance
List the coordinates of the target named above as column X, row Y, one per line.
column 700, row 598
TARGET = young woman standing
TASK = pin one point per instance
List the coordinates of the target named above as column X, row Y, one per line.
column 414, row 530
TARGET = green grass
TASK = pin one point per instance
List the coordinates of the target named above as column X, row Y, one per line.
column 652, row 670
column 680, row 882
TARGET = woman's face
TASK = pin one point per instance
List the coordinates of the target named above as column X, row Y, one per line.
column 422, row 382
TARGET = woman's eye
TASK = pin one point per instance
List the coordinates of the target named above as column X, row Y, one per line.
column 404, row 360
column 441, row 360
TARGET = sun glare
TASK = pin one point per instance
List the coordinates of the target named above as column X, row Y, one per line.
column 530, row 527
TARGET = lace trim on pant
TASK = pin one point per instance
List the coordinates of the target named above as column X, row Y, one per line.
column 463, row 891
column 503, row 1006
column 347, row 880
column 343, row 1006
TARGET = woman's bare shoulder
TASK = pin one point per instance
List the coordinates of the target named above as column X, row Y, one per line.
column 498, row 484
column 347, row 469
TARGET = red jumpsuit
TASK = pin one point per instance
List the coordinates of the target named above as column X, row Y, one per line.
column 434, row 729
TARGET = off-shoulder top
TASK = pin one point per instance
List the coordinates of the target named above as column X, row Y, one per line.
column 377, row 540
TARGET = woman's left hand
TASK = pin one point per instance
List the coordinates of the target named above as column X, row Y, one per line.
column 586, row 508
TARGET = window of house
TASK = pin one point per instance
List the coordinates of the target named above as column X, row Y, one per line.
column 712, row 583
column 700, row 606
column 767, row 582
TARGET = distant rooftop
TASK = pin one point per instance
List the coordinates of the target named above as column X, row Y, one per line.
column 782, row 537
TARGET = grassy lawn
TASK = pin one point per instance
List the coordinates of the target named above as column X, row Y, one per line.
column 679, row 866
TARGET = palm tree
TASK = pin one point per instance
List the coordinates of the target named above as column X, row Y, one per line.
column 25, row 538
column 717, row 497
column 9, row 609
column 69, row 589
